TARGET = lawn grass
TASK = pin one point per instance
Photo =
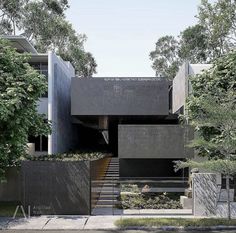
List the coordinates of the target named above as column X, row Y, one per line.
column 178, row 222
column 7, row 209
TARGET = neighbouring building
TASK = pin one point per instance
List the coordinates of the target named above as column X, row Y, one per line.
column 55, row 103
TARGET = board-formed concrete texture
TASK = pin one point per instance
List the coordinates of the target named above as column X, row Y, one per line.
column 119, row 96
column 154, row 141
column 56, row 187
column 206, row 200
column 181, row 84
column 204, row 194
column 63, row 137
column 10, row 190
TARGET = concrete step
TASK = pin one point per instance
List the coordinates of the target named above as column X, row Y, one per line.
column 107, row 202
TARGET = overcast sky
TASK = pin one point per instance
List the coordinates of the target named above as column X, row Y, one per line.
column 121, row 33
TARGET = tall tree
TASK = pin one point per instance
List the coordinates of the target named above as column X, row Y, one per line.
column 193, row 45
column 212, row 112
column 212, row 37
column 219, row 84
column 219, row 21
column 20, row 87
column 44, row 24
column 165, row 57
column 11, row 15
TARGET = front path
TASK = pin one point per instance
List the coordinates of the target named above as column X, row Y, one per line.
column 79, row 222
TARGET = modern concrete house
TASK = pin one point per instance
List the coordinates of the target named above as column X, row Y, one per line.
column 135, row 119
column 134, row 115
column 55, row 104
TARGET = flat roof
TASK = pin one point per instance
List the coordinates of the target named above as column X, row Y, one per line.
column 20, row 43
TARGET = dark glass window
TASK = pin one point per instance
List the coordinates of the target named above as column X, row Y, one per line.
column 41, row 142
column 44, row 143
column 37, row 143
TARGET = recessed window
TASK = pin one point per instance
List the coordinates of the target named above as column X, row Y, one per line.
column 41, row 143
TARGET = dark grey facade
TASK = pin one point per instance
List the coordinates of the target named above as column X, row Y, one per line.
column 56, row 187
column 121, row 96
column 60, row 187
column 140, row 127
column 154, row 141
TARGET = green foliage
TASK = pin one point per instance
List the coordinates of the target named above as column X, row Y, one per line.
column 211, row 109
column 77, row 156
column 179, row 222
column 132, row 188
column 165, row 57
column 44, row 24
column 11, row 15
column 193, row 45
column 224, row 166
column 219, row 21
column 143, row 201
column 20, row 88
column 212, row 37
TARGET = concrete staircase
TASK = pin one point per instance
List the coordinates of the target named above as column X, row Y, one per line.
column 109, row 190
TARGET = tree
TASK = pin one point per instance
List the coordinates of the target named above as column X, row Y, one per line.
column 11, row 14
column 44, row 24
column 214, row 90
column 212, row 37
column 170, row 52
column 193, row 45
column 219, row 21
column 211, row 110
column 20, row 87
column 165, row 57
column 225, row 167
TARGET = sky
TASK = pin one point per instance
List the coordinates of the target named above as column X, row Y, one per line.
column 122, row 33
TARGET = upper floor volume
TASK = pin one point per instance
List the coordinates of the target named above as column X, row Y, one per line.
column 120, row 96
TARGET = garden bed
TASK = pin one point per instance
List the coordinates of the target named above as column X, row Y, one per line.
column 132, row 197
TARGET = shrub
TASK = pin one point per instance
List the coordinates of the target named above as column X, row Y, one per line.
column 142, row 201
column 77, row 156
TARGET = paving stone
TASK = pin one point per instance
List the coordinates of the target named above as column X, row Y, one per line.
column 101, row 222
column 3, row 222
column 36, row 223
column 66, row 223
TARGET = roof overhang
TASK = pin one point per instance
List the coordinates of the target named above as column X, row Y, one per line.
column 20, row 43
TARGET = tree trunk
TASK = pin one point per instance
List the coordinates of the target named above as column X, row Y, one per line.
column 228, row 197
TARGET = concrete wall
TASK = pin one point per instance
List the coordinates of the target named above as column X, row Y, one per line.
column 63, row 137
column 121, row 96
column 204, row 194
column 56, row 187
column 154, row 141
column 206, row 197
column 180, row 88
column 10, row 190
